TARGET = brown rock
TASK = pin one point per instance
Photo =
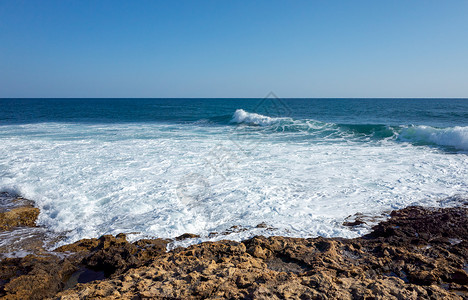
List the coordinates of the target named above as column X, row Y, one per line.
column 33, row 277
column 354, row 223
column 390, row 263
column 417, row 254
column 111, row 254
column 186, row 236
column 19, row 216
column 39, row 277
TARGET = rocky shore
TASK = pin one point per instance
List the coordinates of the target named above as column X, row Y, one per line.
column 418, row 253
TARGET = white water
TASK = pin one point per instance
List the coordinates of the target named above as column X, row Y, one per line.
column 241, row 116
column 160, row 180
column 456, row 137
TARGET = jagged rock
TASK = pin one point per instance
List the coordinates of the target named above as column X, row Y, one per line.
column 387, row 264
column 423, row 225
column 357, row 222
column 18, row 230
column 38, row 277
column 111, row 254
column 33, row 277
column 18, row 216
column 418, row 253
column 186, row 236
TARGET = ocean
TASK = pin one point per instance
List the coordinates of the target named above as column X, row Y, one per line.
column 229, row 168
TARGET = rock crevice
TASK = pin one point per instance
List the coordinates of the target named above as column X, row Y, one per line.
column 419, row 253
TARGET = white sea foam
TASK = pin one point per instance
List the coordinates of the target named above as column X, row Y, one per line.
column 456, row 137
column 165, row 180
column 241, row 116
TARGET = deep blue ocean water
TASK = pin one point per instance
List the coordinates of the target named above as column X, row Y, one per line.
column 164, row 167
column 432, row 112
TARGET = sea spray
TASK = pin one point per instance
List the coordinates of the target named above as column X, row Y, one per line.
column 300, row 174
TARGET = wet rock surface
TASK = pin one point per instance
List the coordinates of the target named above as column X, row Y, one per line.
column 42, row 276
column 19, row 234
column 114, row 255
column 419, row 253
column 41, row 273
column 24, row 215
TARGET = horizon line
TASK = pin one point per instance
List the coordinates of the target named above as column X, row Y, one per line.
column 232, row 98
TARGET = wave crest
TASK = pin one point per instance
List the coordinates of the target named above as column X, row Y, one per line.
column 241, row 116
column 456, row 137
column 451, row 137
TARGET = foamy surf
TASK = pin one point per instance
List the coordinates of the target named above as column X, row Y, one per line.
column 454, row 137
column 90, row 180
column 241, row 116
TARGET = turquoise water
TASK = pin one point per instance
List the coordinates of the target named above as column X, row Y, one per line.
column 163, row 167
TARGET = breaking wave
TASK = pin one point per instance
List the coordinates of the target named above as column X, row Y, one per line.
column 456, row 137
column 241, row 116
column 452, row 137
column 300, row 176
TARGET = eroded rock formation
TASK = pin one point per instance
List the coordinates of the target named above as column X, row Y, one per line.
column 419, row 253
column 24, row 215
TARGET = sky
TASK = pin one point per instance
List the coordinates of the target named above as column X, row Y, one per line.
column 311, row 49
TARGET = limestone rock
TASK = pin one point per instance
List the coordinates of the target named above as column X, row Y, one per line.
column 393, row 262
column 18, row 216
column 419, row 253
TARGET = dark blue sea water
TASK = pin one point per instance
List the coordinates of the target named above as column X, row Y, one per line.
column 164, row 167
column 432, row 112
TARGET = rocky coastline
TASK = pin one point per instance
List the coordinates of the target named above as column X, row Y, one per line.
column 418, row 253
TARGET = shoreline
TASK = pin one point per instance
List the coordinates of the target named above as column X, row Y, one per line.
column 419, row 252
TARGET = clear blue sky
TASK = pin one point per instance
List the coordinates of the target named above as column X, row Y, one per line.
column 226, row 48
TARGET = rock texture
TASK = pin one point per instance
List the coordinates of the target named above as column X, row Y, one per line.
column 18, row 216
column 18, row 230
column 419, row 253
column 33, row 276
column 114, row 255
column 42, row 276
